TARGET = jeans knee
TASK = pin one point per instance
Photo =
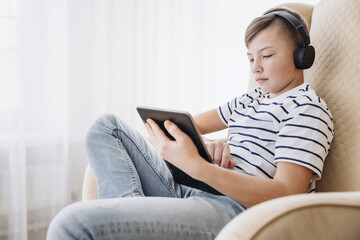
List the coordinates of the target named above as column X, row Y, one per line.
column 102, row 126
column 67, row 224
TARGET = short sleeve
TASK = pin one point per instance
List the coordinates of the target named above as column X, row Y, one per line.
column 305, row 137
column 226, row 110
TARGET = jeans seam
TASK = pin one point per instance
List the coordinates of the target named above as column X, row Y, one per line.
column 147, row 159
column 135, row 186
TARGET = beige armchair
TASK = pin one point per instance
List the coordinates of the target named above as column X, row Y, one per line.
column 333, row 212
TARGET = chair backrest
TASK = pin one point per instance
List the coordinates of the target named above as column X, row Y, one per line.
column 335, row 77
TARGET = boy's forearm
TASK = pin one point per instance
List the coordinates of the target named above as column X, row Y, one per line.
column 244, row 189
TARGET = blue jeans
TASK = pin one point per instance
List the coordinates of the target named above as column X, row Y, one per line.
column 138, row 198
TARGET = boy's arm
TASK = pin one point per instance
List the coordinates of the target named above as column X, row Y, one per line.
column 208, row 122
column 245, row 189
column 249, row 190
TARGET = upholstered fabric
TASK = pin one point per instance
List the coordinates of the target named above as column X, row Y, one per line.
column 329, row 216
column 89, row 190
column 335, row 76
column 305, row 10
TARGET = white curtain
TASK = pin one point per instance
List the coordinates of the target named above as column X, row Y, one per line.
column 65, row 62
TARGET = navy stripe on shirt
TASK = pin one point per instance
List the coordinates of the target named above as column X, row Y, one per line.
column 311, row 116
column 262, row 170
column 268, row 104
column 313, row 105
column 253, row 136
column 312, row 190
column 253, row 118
column 222, row 115
column 253, row 153
column 294, row 97
column 282, row 107
column 303, row 138
column 304, row 126
column 265, row 112
column 301, row 149
column 287, row 119
column 251, row 98
column 229, row 108
column 248, row 127
column 257, row 144
column 297, row 160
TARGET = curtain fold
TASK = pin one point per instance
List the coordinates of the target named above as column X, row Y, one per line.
column 65, row 62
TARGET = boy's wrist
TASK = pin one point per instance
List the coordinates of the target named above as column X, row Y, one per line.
column 199, row 168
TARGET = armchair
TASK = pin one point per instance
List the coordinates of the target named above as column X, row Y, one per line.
column 333, row 212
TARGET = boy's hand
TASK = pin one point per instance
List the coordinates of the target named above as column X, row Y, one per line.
column 220, row 153
column 182, row 152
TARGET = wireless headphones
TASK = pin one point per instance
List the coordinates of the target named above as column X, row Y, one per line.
column 304, row 54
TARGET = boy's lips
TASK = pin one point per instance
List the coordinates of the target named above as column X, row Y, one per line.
column 260, row 79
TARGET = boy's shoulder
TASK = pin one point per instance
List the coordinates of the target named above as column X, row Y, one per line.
column 298, row 96
column 305, row 99
column 304, row 94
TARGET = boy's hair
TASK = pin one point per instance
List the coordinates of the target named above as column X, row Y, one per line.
column 288, row 31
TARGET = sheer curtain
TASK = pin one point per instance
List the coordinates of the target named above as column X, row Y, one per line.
column 65, row 62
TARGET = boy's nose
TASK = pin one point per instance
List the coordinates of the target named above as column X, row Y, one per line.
column 257, row 67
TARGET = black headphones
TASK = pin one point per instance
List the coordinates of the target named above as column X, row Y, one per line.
column 304, row 54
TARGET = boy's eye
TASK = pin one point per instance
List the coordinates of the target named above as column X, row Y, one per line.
column 251, row 60
column 267, row 56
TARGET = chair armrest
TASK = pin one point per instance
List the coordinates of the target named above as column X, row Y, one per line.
column 89, row 190
column 305, row 216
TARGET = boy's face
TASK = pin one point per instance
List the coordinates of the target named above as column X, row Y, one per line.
column 272, row 62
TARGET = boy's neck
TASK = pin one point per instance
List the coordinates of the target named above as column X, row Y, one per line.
column 297, row 81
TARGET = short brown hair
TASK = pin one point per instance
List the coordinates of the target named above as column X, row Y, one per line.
column 285, row 28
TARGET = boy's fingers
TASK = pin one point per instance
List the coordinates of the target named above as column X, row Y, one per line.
column 210, row 148
column 232, row 164
column 174, row 130
column 225, row 163
column 157, row 132
column 152, row 136
column 218, row 155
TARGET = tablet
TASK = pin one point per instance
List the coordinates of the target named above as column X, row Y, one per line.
column 186, row 123
column 182, row 119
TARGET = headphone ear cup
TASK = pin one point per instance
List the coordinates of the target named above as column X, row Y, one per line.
column 304, row 56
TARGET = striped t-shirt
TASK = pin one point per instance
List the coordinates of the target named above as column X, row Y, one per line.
column 294, row 127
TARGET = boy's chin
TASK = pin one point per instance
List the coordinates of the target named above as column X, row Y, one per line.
column 264, row 88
